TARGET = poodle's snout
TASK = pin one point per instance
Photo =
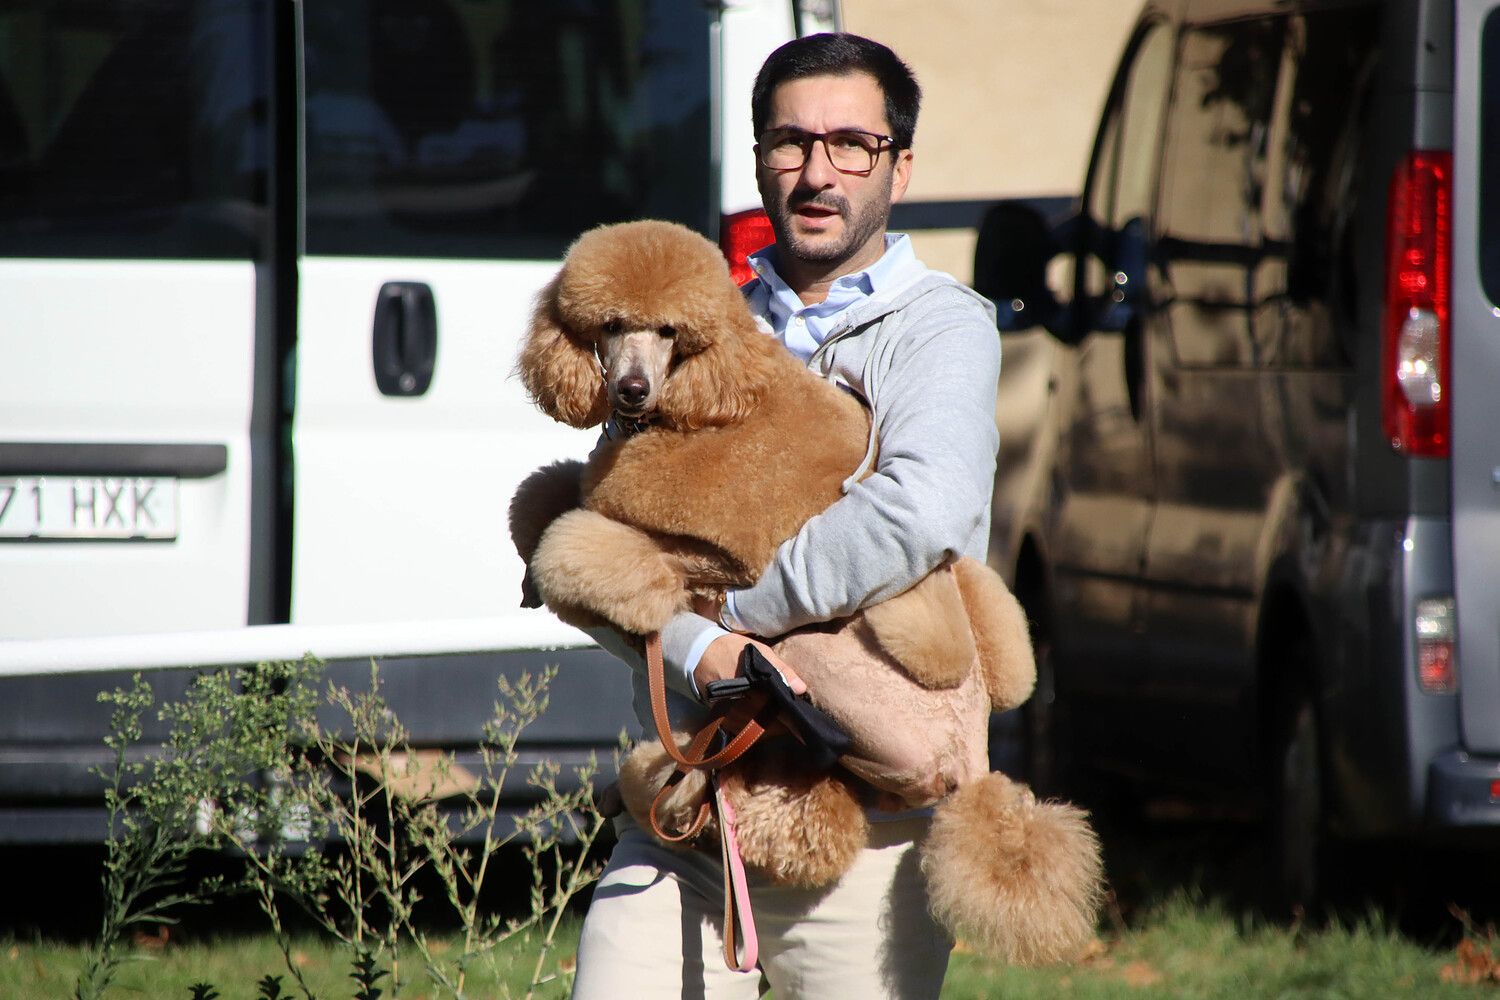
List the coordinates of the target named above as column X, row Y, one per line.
column 633, row 390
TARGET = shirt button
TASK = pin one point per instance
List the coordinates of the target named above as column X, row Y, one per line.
column 799, row 320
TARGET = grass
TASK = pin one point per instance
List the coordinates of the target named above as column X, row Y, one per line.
column 42, row 970
column 1183, row 922
column 1189, row 948
column 1184, row 947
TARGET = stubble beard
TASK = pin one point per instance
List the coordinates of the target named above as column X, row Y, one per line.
column 871, row 218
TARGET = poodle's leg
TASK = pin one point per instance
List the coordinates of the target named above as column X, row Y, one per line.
column 1019, row 879
column 645, row 770
column 799, row 828
column 999, row 623
column 926, row 630
column 542, row 498
column 586, row 561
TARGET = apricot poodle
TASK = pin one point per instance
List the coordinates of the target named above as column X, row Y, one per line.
column 728, row 446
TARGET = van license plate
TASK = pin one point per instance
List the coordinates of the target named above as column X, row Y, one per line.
column 143, row 507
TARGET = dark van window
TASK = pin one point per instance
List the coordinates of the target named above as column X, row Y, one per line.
column 1212, row 181
column 501, row 128
column 1489, row 159
column 132, row 128
column 1303, row 284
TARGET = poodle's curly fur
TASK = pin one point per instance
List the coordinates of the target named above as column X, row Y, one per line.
column 744, row 445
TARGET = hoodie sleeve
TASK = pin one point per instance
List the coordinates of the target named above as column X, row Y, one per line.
column 931, row 488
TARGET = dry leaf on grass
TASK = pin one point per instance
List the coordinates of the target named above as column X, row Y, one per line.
column 151, row 941
column 1140, row 973
column 1476, row 963
column 1094, row 953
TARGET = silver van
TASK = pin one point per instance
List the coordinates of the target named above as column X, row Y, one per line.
column 1257, row 523
column 264, row 268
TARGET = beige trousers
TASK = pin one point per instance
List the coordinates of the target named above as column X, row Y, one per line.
column 654, row 928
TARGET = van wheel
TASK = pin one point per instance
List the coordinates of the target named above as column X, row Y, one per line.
column 1296, row 831
column 1042, row 717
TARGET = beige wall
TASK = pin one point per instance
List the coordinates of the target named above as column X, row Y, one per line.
column 1012, row 92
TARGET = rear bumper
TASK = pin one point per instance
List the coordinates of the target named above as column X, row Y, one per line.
column 1459, row 791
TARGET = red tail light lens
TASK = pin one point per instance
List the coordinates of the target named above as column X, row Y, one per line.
column 1437, row 670
column 1417, row 393
column 740, row 235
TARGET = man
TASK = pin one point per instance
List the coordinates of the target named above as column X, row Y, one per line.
column 834, row 117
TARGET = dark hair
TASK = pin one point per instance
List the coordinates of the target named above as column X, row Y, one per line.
column 841, row 54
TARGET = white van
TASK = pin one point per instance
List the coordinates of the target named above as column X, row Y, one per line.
column 264, row 268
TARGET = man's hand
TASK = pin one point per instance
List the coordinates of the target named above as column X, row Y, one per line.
column 721, row 660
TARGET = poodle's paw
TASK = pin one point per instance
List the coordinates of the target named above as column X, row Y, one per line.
column 800, row 829
column 1019, row 879
column 643, row 773
column 586, row 562
column 542, row 498
column 926, row 630
column 1006, row 660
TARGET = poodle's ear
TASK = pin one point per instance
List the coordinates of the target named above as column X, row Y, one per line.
column 723, row 382
column 559, row 368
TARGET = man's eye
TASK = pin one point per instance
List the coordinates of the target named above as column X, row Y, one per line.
column 787, row 142
column 846, row 141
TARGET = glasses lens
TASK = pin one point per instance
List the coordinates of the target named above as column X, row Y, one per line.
column 783, row 149
column 853, row 151
column 850, row 151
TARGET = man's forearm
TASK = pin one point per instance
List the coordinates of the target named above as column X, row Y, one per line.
column 926, row 500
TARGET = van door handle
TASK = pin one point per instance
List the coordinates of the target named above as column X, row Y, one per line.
column 404, row 346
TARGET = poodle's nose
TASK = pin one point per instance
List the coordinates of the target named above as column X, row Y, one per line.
column 633, row 390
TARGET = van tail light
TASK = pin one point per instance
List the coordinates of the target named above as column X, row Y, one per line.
column 1437, row 670
column 740, row 235
column 1417, row 396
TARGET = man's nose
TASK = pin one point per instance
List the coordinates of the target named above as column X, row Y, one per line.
column 818, row 170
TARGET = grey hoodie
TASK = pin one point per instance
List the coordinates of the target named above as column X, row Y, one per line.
column 925, row 355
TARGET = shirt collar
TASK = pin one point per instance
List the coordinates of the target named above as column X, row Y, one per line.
column 874, row 279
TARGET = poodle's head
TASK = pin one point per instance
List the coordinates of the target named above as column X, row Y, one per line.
column 644, row 319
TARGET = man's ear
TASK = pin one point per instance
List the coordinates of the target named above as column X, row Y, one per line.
column 900, row 175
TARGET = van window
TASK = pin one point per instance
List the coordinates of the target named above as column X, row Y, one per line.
column 1213, row 177
column 1123, row 186
column 501, row 128
column 1303, row 284
column 1489, row 158
column 132, row 128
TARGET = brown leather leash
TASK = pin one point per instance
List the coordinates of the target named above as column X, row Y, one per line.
column 758, row 714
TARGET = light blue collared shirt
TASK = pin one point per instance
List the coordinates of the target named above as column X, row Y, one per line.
column 802, row 328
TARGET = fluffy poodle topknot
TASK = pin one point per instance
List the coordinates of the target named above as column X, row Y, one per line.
column 677, row 278
column 648, row 275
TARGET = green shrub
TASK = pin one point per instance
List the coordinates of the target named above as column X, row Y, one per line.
column 337, row 821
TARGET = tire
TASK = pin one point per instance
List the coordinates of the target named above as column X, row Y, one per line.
column 1298, row 843
column 1042, row 717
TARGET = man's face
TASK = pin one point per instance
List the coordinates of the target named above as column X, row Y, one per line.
column 822, row 217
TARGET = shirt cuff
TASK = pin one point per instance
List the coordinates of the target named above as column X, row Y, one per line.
column 730, row 616
column 695, row 653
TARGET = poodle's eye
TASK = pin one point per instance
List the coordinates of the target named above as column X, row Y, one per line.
column 612, row 326
column 668, row 330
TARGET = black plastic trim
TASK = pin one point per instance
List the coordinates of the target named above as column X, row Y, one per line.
column 958, row 214
column 51, row 458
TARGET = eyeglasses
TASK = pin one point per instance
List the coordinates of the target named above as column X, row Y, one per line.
column 850, row 150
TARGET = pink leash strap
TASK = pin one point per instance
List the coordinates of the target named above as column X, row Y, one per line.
column 736, row 890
